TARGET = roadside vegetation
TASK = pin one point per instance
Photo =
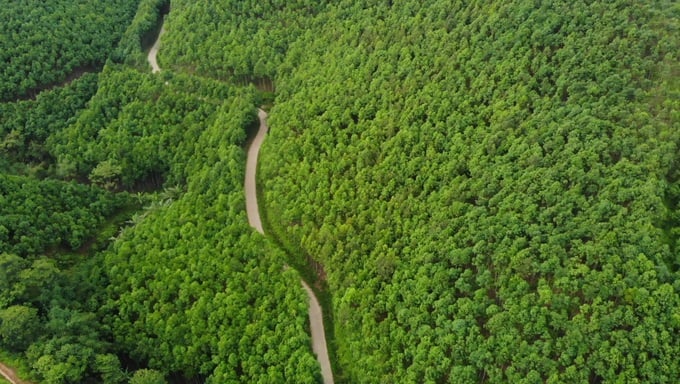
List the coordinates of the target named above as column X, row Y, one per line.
column 485, row 191
column 180, row 289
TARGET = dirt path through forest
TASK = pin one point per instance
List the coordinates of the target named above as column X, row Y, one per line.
column 11, row 376
column 315, row 313
column 153, row 52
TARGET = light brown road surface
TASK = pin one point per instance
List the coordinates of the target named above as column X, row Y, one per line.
column 318, row 335
column 251, row 169
column 315, row 314
column 153, row 52
column 11, row 376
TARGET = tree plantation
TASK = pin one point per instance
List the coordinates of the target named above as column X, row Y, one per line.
column 153, row 166
column 25, row 126
column 479, row 192
column 44, row 43
column 485, row 187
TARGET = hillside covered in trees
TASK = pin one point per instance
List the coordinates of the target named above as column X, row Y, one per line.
column 125, row 252
column 43, row 43
column 489, row 188
column 487, row 191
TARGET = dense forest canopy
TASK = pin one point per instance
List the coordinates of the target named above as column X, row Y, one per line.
column 83, row 297
column 48, row 287
column 236, row 39
column 188, row 289
column 489, row 190
column 44, row 42
column 25, row 126
column 192, row 289
column 36, row 216
column 485, row 186
column 138, row 130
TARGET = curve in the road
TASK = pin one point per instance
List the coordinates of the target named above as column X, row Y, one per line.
column 153, row 52
column 315, row 313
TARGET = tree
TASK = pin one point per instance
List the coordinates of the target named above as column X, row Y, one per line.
column 108, row 366
column 19, row 327
column 147, row 376
column 10, row 267
column 107, row 175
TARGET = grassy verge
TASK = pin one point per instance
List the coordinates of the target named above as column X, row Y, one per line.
column 297, row 258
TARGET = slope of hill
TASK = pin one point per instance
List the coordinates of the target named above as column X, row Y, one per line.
column 489, row 190
column 186, row 291
column 484, row 186
column 45, row 42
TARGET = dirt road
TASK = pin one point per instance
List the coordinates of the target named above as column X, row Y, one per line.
column 251, row 168
column 153, row 52
column 11, row 376
column 315, row 313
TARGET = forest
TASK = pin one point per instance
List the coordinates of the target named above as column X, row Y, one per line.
column 486, row 192
column 46, row 43
column 111, row 176
column 486, row 187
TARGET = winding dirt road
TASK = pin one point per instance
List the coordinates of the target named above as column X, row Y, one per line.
column 315, row 313
column 153, row 52
column 11, row 376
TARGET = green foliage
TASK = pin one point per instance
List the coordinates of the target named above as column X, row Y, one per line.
column 147, row 376
column 10, row 267
column 45, row 42
column 194, row 290
column 47, row 304
column 18, row 327
column 72, row 349
column 106, row 174
column 13, row 361
column 235, row 39
column 39, row 215
column 221, row 307
column 109, row 367
column 48, row 312
column 139, row 130
column 488, row 189
column 25, row 126
column 483, row 186
column 138, row 35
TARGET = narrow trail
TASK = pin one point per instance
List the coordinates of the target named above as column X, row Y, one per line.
column 315, row 313
column 10, row 375
column 153, row 52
